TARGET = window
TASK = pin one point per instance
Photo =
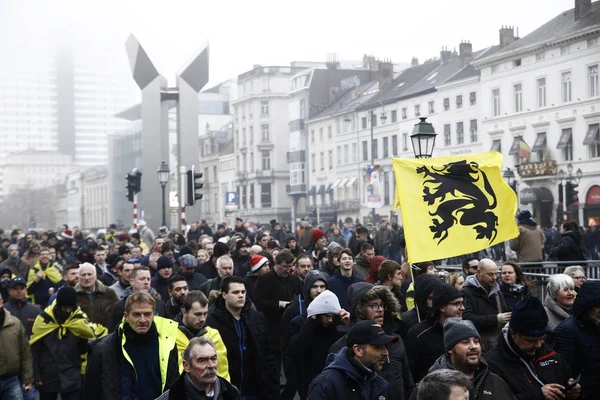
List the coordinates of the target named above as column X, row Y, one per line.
column 405, row 141
column 446, row 104
column 385, row 148
column 404, row 113
column 346, row 156
column 431, row 107
column 496, row 102
column 394, row 145
column 540, row 57
column 473, row 130
column 375, row 149
column 330, row 158
column 266, row 160
column 518, row 91
column 592, row 42
column 329, row 132
column 565, row 144
column 496, row 145
column 251, row 200
column 312, row 135
column 265, row 134
column 321, row 135
column 417, row 110
column 539, row 146
column 459, row 102
column 296, row 173
column 592, row 140
column 251, row 161
column 313, row 162
column 564, row 50
column 460, row 136
column 322, row 159
column 517, row 63
column 244, row 198
column 447, row 133
column 354, row 152
column 566, row 86
column 339, row 154
column 365, row 151
column 363, row 122
column 495, row 68
column 337, row 126
column 541, row 92
column 394, row 115
column 301, row 108
column 265, row 195
column 593, row 80
column 264, row 107
column 473, row 99
column 244, row 137
column 251, row 135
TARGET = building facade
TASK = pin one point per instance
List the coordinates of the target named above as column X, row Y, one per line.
column 541, row 110
column 95, row 197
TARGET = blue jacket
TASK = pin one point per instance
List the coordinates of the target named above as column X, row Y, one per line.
column 342, row 379
column 339, row 285
column 578, row 340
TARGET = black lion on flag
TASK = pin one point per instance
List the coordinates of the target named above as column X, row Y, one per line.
column 459, row 199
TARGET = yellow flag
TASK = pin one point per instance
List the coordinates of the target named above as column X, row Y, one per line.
column 453, row 205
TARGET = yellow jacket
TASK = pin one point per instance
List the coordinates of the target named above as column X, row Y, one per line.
column 410, row 296
column 53, row 272
column 215, row 336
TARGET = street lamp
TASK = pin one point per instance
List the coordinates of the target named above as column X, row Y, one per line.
column 423, row 139
column 564, row 178
column 163, row 177
column 509, row 175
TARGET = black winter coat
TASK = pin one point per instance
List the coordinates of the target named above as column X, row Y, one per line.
column 569, row 248
column 161, row 285
column 178, row 391
column 526, row 377
column 195, row 280
column 24, row 312
column 268, row 291
column 208, row 269
column 57, row 363
column 257, row 341
column 425, row 344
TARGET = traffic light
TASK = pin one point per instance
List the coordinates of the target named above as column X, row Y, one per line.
column 134, row 183
column 192, row 186
column 572, row 194
column 560, row 193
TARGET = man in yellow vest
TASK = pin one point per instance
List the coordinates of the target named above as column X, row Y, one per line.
column 140, row 359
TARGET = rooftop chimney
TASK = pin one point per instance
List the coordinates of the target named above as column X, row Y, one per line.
column 465, row 50
column 582, row 8
column 332, row 61
column 445, row 54
column 507, row 36
column 414, row 62
column 369, row 62
column 385, row 73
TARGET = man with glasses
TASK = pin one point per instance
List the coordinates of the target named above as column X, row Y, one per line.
column 484, row 303
column 425, row 341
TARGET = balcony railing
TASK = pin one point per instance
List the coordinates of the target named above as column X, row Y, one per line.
column 533, row 169
column 295, row 189
column 347, row 205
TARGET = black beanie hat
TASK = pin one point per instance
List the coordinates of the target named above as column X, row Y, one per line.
column 444, row 294
column 220, row 249
column 185, row 250
column 164, row 262
column 529, row 317
column 456, row 329
column 240, row 243
column 66, row 297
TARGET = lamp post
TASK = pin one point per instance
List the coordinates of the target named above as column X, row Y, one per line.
column 423, row 138
column 163, row 177
column 371, row 117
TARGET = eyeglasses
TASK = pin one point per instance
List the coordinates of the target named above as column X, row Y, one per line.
column 458, row 304
column 376, row 306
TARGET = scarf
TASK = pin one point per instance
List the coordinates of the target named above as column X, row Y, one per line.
column 77, row 323
column 14, row 260
column 514, row 287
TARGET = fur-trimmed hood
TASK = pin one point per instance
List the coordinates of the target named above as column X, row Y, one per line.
column 359, row 294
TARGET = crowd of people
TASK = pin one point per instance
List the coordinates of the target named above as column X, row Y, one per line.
column 260, row 312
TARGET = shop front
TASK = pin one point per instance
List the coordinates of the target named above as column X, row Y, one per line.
column 541, row 201
column 591, row 212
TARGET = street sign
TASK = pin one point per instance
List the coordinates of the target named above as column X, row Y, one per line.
column 231, row 200
column 173, row 201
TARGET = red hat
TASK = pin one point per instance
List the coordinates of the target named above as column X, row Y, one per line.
column 67, row 234
column 257, row 262
column 317, row 234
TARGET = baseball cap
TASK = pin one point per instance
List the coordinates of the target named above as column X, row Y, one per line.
column 368, row 332
column 16, row 281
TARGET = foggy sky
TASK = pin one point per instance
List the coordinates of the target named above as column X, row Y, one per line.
column 242, row 33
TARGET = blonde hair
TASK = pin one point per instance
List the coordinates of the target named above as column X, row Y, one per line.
column 452, row 278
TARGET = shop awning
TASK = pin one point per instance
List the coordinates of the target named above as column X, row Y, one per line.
column 329, row 188
column 566, row 139
column 540, row 142
column 535, row 195
column 321, row 189
column 351, row 182
column 312, row 191
column 593, row 135
column 336, row 183
column 343, row 183
column 516, row 146
column 496, row 146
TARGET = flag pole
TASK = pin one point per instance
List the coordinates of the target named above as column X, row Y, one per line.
column 412, row 276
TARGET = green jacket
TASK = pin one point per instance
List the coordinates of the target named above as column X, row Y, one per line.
column 15, row 354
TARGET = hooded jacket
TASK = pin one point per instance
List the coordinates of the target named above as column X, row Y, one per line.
column 482, row 308
column 374, row 269
column 340, row 284
column 396, row 370
column 361, row 266
column 98, row 305
column 17, row 266
column 578, row 340
column 525, row 375
column 424, row 345
column 424, row 285
column 485, row 384
column 346, row 379
column 15, row 357
column 569, row 248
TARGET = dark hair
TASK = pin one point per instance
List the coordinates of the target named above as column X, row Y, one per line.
column 366, row 246
column 466, row 261
column 302, row 255
column 273, row 245
column 387, row 268
column 519, row 274
column 194, row 296
column 361, row 230
column 421, row 268
column 344, row 251
column 69, row 267
column 570, row 226
column 284, row 255
column 227, row 281
column 438, row 384
column 166, row 246
column 174, row 279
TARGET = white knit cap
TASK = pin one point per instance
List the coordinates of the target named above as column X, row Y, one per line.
column 325, row 303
